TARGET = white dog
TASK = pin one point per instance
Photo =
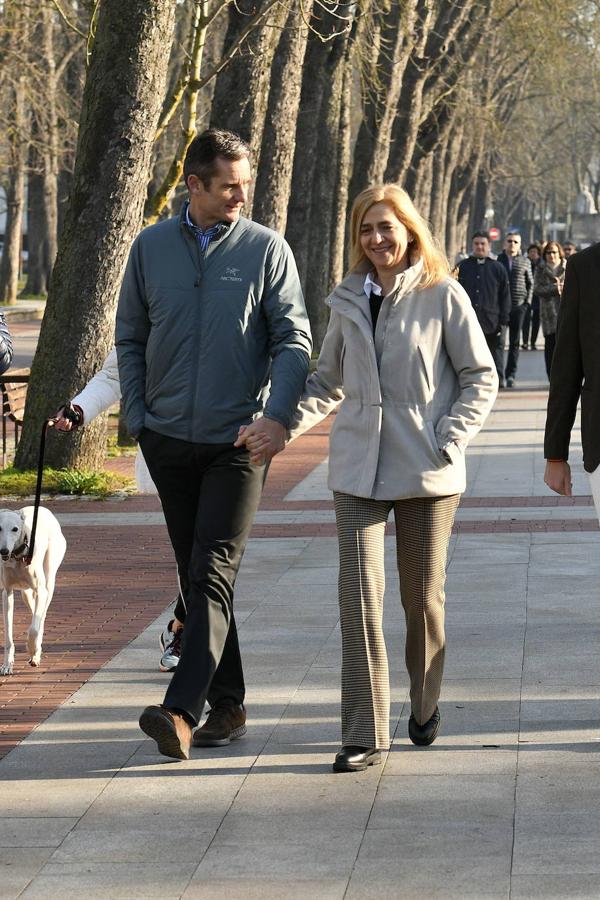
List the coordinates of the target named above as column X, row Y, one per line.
column 35, row 581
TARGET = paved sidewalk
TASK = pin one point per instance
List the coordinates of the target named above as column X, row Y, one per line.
column 503, row 805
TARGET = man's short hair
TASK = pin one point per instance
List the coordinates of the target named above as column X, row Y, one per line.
column 483, row 234
column 535, row 246
column 513, row 234
column 206, row 148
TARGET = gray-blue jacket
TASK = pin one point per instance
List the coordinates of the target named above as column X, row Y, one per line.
column 208, row 341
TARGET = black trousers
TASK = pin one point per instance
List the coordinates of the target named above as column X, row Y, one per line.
column 496, row 344
column 549, row 345
column 209, row 494
column 515, row 325
column 531, row 323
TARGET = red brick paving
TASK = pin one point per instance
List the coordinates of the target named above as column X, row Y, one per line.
column 116, row 580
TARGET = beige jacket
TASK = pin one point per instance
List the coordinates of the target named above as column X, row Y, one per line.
column 410, row 400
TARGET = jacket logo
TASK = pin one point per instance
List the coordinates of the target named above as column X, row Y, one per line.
column 231, row 274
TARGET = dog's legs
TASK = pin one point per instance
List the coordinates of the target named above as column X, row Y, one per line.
column 8, row 605
column 52, row 560
column 35, row 634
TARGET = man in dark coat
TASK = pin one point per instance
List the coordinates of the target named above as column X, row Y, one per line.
column 575, row 374
column 486, row 283
column 520, row 278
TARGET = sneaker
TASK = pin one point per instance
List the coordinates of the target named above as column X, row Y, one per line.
column 223, row 724
column 170, row 644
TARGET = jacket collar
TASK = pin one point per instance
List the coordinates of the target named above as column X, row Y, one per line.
column 351, row 289
column 225, row 228
column 349, row 299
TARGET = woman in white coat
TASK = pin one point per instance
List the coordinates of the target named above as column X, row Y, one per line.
column 406, row 363
column 99, row 394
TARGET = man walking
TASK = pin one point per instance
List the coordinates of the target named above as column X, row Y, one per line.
column 211, row 334
column 576, row 373
column 486, row 283
column 520, row 278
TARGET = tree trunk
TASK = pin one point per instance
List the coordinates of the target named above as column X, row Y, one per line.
column 325, row 205
column 338, row 262
column 305, row 153
column 44, row 160
column 17, row 139
column 242, row 87
column 274, row 178
column 382, row 85
column 122, row 98
column 37, row 272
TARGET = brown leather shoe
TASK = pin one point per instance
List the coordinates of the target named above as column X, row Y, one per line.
column 169, row 729
column 224, row 723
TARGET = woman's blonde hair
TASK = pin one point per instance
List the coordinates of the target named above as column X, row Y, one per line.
column 423, row 246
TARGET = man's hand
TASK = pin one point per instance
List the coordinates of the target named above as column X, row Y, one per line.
column 263, row 438
column 558, row 476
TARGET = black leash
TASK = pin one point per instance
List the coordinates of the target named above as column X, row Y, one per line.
column 38, row 491
column 69, row 413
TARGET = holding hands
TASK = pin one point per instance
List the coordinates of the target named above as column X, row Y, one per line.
column 263, row 439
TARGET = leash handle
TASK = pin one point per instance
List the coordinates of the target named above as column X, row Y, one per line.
column 38, row 489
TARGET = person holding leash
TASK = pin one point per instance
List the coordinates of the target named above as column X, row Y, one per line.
column 102, row 392
column 406, row 362
column 212, row 334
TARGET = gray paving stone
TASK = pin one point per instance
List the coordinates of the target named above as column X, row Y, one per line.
column 555, row 887
column 49, row 798
column 268, row 888
column 35, row 831
column 111, row 839
column 18, row 866
column 119, row 881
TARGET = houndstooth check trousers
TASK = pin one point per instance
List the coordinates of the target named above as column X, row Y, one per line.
column 423, row 528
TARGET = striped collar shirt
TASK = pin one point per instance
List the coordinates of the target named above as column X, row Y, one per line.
column 204, row 237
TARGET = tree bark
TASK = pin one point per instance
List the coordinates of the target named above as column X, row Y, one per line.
column 37, row 270
column 440, row 36
column 390, row 39
column 339, row 243
column 305, row 153
column 274, row 177
column 242, row 87
column 325, row 206
column 122, row 98
column 17, row 139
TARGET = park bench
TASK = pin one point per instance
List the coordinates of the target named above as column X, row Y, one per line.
column 14, row 392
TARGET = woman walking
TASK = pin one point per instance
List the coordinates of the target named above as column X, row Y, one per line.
column 405, row 359
column 547, row 285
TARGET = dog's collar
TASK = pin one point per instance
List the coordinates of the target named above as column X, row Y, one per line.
column 20, row 552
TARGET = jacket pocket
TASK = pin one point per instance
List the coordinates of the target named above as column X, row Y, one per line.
column 437, row 453
column 427, row 369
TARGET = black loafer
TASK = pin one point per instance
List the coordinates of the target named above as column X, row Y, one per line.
column 355, row 759
column 423, row 735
